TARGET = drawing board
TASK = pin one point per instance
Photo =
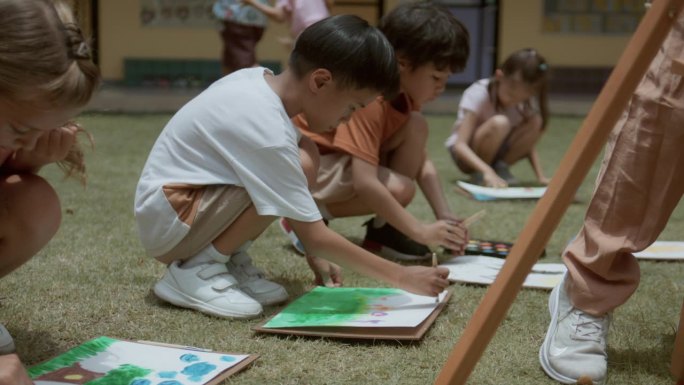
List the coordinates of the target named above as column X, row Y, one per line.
column 365, row 313
column 663, row 250
column 482, row 193
column 482, row 270
column 109, row 361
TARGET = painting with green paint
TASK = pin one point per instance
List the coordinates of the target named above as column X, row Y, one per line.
column 108, row 361
column 355, row 307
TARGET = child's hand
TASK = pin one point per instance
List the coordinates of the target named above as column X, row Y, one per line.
column 449, row 234
column 13, row 372
column 326, row 273
column 422, row 280
column 493, row 180
column 51, row 146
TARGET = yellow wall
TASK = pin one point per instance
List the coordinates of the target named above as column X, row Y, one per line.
column 121, row 36
column 520, row 27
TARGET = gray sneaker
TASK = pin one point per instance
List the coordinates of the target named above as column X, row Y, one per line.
column 575, row 345
column 502, row 170
column 6, row 341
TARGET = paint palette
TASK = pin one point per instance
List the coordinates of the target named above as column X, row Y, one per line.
column 497, row 249
column 488, row 248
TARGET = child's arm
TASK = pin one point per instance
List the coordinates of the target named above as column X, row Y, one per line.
column 536, row 166
column 272, row 12
column 378, row 199
column 466, row 130
column 430, row 185
column 12, row 371
column 51, row 146
column 319, row 240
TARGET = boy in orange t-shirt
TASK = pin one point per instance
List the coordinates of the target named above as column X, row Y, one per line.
column 370, row 164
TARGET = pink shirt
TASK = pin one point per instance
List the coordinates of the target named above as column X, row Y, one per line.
column 303, row 13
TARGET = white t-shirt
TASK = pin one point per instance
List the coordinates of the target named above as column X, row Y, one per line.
column 236, row 132
column 477, row 100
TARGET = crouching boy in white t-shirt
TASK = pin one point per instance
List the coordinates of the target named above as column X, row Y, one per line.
column 228, row 164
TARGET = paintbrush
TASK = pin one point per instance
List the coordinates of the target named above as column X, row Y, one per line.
column 473, row 218
column 433, row 249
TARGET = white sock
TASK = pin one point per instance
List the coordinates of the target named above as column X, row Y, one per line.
column 379, row 222
column 207, row 255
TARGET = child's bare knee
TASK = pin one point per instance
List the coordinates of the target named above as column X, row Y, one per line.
column 33, row 206
column 404, row 191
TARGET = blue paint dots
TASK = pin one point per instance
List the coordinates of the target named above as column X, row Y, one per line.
column 169, row 374
column 196, row 372
column 228, row 358
column 140, row 381
column 189, row 358
column 171, row 382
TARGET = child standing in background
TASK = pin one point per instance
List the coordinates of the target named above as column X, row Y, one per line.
column 228, row 164
column 500, row 120
column 46, row 77
column 242, row 27
column 299, row 14
column 372, row 163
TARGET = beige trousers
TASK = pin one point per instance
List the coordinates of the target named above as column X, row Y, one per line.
column 640, row 183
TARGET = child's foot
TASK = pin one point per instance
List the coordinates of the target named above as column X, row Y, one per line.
column 252, row 282
column 392, row 244
column 208, row 288
column 291, row 234
column 6, row 342
column 575, row 343
column 502, row 170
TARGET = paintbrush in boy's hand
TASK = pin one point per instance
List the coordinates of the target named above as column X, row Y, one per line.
column 435, row 262
column 473, row 218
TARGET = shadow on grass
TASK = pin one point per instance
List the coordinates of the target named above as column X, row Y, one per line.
column 654, row 361
column 37, row 345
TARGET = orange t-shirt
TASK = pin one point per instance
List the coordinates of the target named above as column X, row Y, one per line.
column 366, row 130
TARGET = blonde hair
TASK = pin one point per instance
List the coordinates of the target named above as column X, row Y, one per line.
column 46, row 63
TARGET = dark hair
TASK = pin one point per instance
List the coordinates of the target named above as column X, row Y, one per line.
column 426, row 32
column 357, row 54
column 533, row 70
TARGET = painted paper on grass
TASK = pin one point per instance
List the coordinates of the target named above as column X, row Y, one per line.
column 108, row 361
column 482, row 193
column 355, row 307
column 664, row 250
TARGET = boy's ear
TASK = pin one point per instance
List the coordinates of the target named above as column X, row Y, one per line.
column 319, row 78
column 498, row 74
column 404, row 63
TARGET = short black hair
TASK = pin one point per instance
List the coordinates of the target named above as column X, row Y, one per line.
column 356, row 53
column 424, row 32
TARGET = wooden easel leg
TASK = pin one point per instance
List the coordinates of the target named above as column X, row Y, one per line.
column 560, row 193
column 677, row 366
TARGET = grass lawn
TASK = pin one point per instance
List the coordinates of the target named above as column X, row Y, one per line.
column 93, row 279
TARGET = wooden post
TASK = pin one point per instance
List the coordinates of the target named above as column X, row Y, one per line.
column 547, row 214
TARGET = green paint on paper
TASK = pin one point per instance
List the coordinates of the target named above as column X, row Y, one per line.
column 325, row 306
column 123, row 375
column 77, row 354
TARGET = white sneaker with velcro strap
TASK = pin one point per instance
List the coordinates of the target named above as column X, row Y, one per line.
column 6, row 341
column 252, row 282
column 208, row 288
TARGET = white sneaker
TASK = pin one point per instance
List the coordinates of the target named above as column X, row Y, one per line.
column 287, row 230
column 575, row 343
column 251, row 280
column 208, row 288
column 6, row 341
